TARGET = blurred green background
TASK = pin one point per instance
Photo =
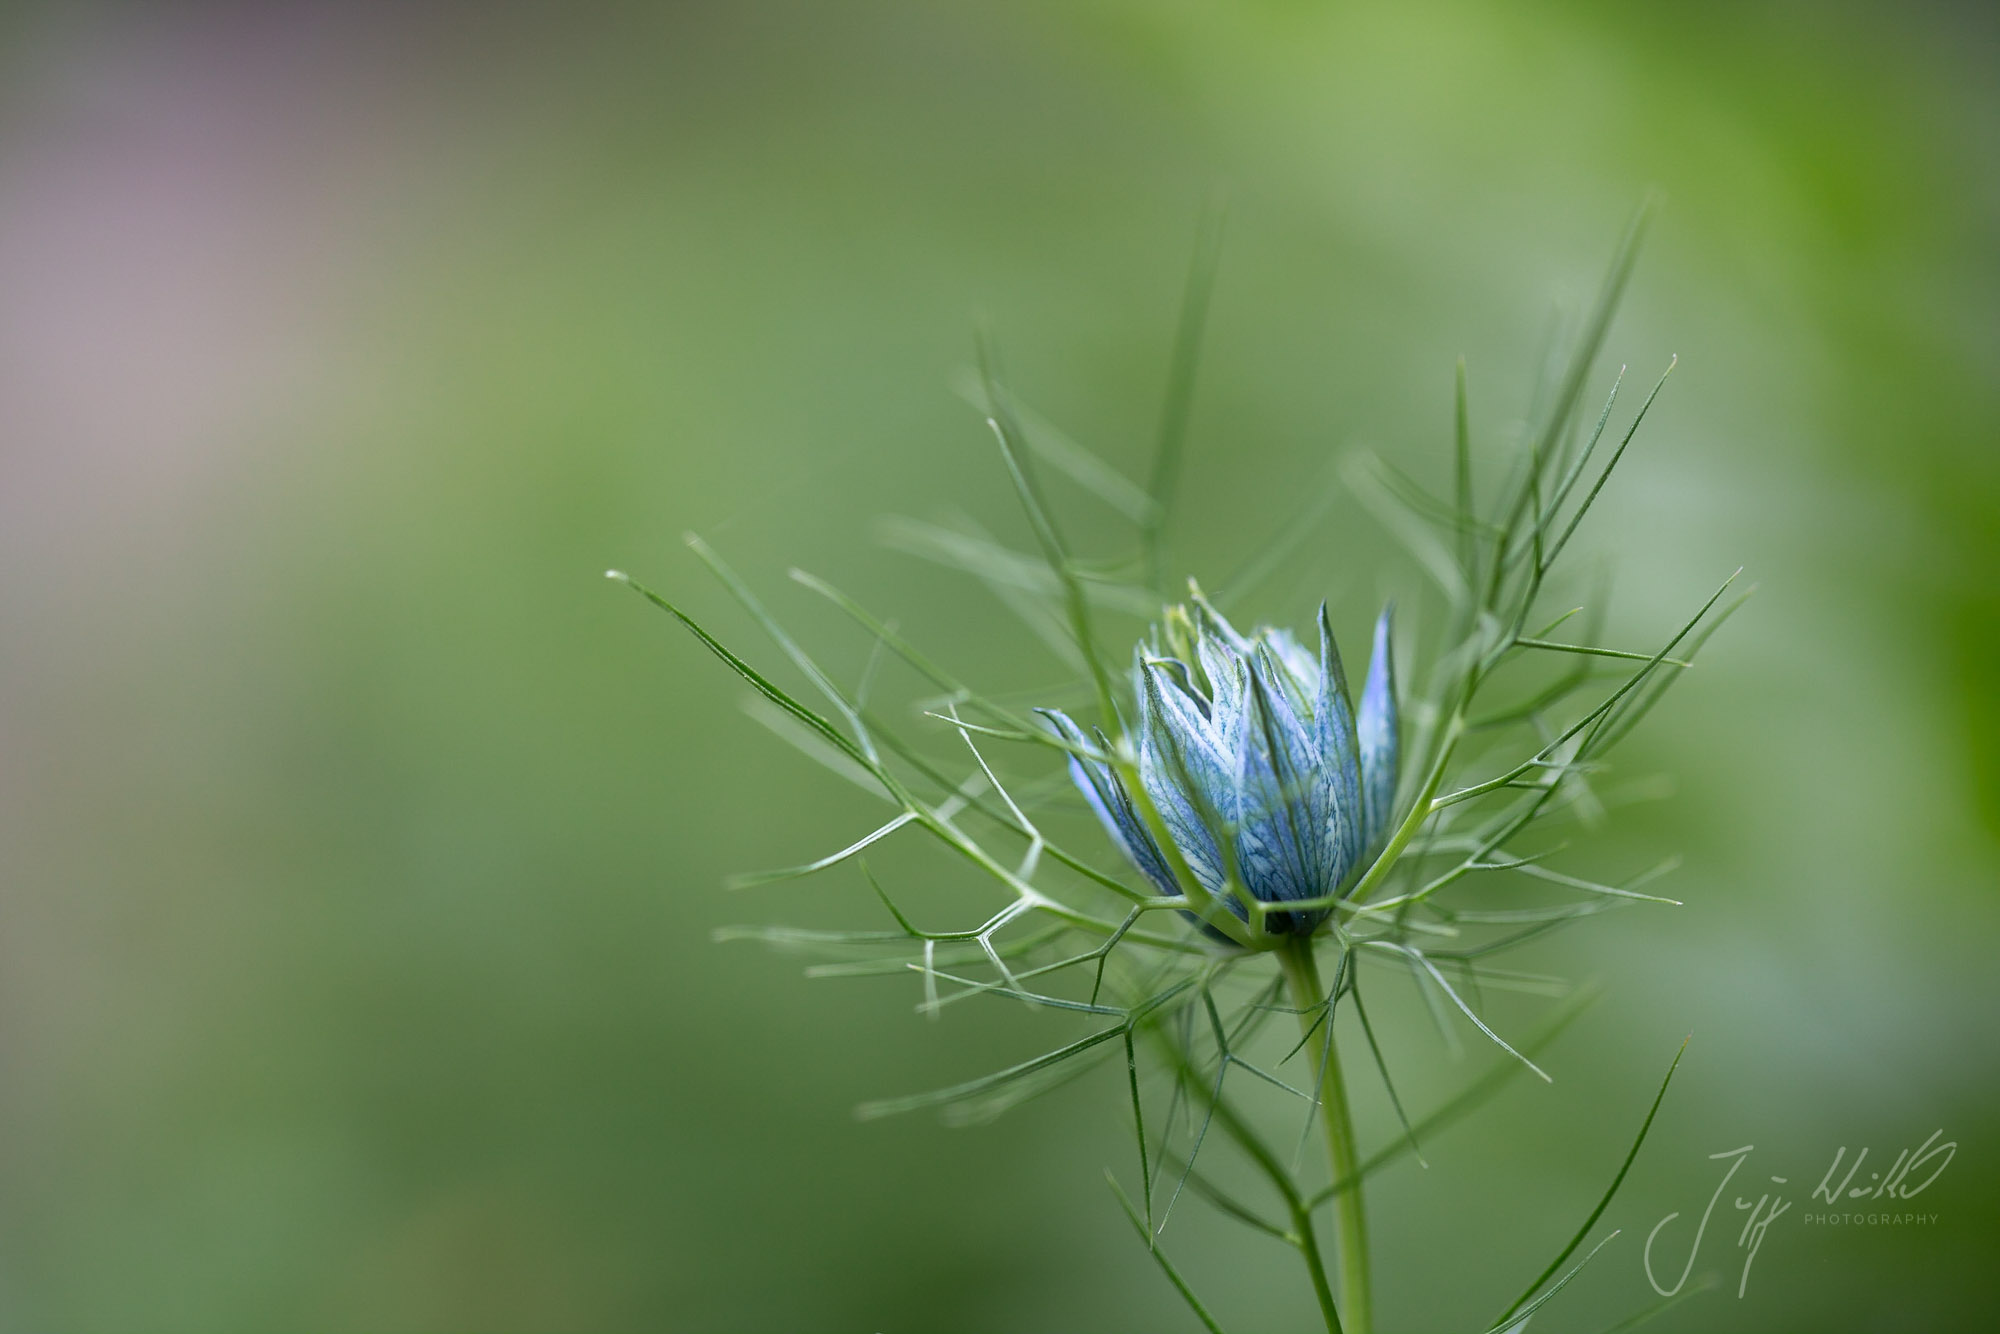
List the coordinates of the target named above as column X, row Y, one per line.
column 360, row 846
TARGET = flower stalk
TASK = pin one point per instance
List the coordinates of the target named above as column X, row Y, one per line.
column 1350, row 1227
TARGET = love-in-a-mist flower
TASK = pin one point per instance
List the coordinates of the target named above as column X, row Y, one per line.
column 1254, row 761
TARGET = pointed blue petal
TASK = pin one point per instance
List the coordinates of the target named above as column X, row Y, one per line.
column 1286, row 803
column 1213, row 622
column 1112, row 804
column 1376, row 730
column 1182, row 678
column 1190, row 782
column 1301, row 666
column 1228, row 677
column 1341, row 755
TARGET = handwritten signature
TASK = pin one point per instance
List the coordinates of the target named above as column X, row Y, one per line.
column 1897, row 1184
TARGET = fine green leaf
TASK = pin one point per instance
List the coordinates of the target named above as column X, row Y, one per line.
column 1160, row 1257
column 1605, row 1202
column 743, row 669
column 1513, row 1324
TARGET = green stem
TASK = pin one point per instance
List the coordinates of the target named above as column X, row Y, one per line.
column 1302, row 1227
column 1350, row 1226
column 1253, row 1146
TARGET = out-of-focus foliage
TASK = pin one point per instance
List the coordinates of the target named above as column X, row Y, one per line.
column 362, row 847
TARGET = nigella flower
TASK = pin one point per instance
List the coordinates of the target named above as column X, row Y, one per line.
column 1254, row 760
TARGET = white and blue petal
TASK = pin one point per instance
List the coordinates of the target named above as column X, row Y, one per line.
column 1300, row 666
column 1113, row 804
column 1376, row 729
column 1286, row 804
column 1190, row 780
column 1341, row 758
column 1228, row 678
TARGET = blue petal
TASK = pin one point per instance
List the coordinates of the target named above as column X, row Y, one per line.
column 1300, row 666
column 1190, row 781
column 1377, row 734
column 1287, row 800
column 1213, row 622
column 1183, row 678
column 1228, row 677
column 1113, row 804
column 1341, row 756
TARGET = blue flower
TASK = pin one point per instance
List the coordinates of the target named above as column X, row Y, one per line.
column 1257, row 765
